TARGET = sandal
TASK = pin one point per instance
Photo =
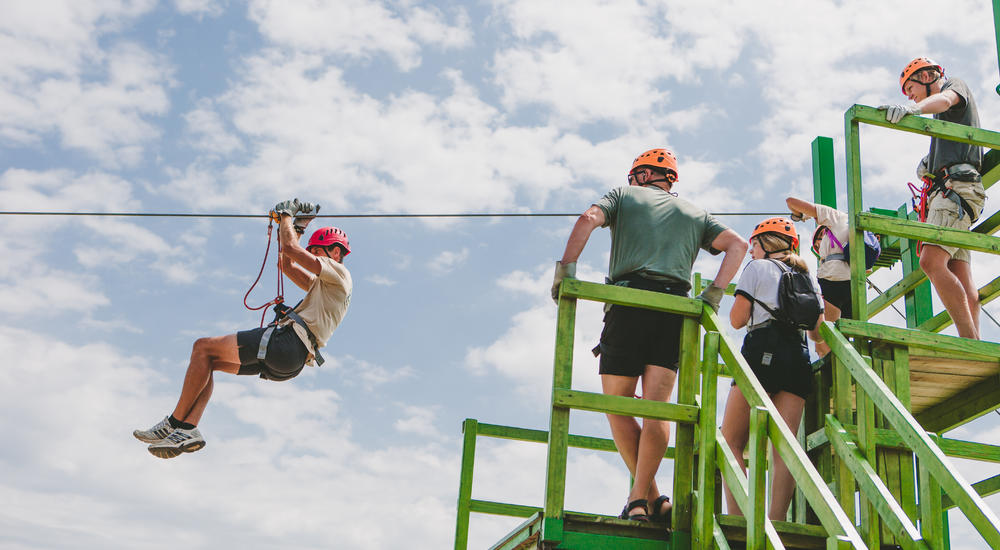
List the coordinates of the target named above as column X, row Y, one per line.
column 657, row 506
column 637, row 503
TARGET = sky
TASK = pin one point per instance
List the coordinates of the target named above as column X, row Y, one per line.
column 383, row 107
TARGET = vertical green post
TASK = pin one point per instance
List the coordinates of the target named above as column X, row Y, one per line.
column 866, row 445
column 842, row 411
column 931, row 513
column 687, row 389
column 859, row 296
column 824, row 174
column 469, row 428
column 996, row 30
column 562, row 377
column 919, row 307
column 705, row 508
column 757, row 480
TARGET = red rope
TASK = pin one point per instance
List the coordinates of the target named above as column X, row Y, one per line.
column 279, row 298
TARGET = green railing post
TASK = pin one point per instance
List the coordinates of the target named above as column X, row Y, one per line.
column 705, row 506
column 919, row 307
column 469, row 431
column 996, row 30
column 562, row 377
column 687, row 389
column 757, row 479
column 859, row 299
column 824, row 174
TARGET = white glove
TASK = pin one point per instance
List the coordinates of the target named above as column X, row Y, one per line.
column 923, row 168
column 712, row 295
column 895, row 113
column 562, row 271
column 307, row 211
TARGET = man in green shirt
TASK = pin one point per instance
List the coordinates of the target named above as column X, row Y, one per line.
column 655, row 239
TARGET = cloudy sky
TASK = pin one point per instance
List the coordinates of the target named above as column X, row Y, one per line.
column 367, row 106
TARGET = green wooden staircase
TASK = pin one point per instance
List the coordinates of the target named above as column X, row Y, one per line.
column 871, row 465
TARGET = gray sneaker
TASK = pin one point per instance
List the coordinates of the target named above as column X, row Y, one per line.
column 179, row 441
column 155, row 434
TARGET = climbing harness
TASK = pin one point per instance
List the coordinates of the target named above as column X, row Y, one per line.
column 282, row 311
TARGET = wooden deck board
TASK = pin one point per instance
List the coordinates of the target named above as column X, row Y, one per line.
column 934, row 379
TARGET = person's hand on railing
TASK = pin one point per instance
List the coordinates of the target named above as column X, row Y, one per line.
column 563, row 270
column 895, row 113
column 712, row 295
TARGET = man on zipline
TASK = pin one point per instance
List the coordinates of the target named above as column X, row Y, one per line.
column 275, row 352
column 956, row 196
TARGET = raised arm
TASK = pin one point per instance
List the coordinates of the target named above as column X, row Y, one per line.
column 585, row 225
column 798, row 206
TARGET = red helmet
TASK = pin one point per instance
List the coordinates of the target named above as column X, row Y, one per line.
column 918, row 64
column 781, row 226
column 326, row 236
column 659, row 158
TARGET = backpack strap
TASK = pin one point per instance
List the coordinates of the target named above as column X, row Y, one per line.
column 773, row 312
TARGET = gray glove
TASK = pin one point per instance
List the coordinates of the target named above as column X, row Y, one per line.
column 562, row 271
column 307, row 211
column 289, row 208
column 922, row 167
column 895, row 113
column 797, row 216
column 712, row 295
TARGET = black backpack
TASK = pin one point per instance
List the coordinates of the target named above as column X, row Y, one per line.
column 798, row 304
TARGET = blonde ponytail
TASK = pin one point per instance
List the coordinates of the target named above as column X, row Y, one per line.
column 775, row 244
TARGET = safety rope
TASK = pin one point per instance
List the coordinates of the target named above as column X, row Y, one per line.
column 280, row 296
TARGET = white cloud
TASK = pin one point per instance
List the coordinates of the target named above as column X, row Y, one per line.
column 360, row 28
column 380, row 280
column 200, row 8
column 208, row 133
column 448, row 261
column 524, row 352
column 418, row 421
column 56, row 78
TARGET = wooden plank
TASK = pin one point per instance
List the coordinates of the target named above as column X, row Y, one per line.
column 757, row 479
column 465, row 483
column 918, row 339
column 984, row 488
column 944, row 365
column 903, row 364
column 624, row 296
column 927, row 233
column 687, row 389
column 562, row 378
column 962, row 407
column 925, row 126
column 704, row 513
column 625, row 406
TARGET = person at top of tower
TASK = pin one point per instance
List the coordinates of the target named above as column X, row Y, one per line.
column 655, row 238
column 278, row 351
column 956, row 196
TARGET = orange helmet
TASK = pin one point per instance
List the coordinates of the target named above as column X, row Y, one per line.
column 781, row 226
column 917, row 64
column 660, row 158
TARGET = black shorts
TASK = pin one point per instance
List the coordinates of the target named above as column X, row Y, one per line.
column 634, row 337
column 286, row 354
column 838, row 293
column 779, row 359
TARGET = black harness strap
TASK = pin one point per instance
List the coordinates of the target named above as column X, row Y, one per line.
column 280, row 312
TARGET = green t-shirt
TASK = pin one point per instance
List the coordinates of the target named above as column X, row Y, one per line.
column 655, row 234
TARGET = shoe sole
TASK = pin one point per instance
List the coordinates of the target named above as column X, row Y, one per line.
column 172, row 452
column 145, row 439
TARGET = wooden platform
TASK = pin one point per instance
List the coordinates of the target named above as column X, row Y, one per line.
column 595, row 531
column 935, row 380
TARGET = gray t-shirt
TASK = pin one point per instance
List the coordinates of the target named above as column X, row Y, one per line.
column 655, row 234
column 945, row 153
column 760, row 280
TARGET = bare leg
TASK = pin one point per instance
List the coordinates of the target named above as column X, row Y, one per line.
column 657, row 385
column 207, row 355
column 625, row 430
column 963, row 271
column 790, row 408
column 950, row 289
column 736, row 430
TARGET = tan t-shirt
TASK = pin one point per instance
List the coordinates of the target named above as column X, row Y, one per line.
column 325, row 303
column 832, row 270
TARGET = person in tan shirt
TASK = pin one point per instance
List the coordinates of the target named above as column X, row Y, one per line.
column 276, row 352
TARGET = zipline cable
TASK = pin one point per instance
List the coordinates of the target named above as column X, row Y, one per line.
column 428, row 215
